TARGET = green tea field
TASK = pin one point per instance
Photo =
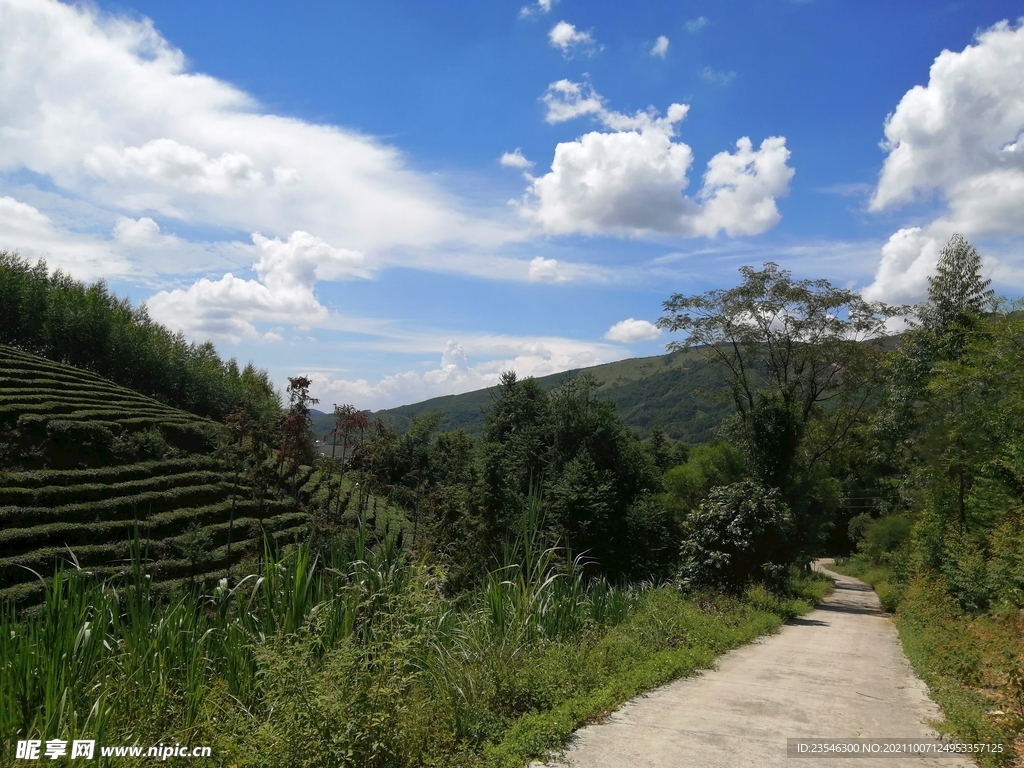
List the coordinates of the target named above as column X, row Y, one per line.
column 86, row 464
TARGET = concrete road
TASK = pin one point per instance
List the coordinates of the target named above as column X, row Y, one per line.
column 837, row 672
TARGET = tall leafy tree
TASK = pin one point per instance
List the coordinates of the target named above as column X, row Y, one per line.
column 296, row 427
column 803, row 363
column 802, row 358
column 931, row 396
column 958, row 295
column 513, row 452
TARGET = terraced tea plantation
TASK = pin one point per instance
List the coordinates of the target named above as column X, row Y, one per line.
column 85, row 464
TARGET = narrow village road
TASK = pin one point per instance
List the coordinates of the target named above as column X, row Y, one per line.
column 837, row 672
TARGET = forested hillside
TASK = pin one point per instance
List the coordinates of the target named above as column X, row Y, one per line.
column 66, row 321
column 678, row 393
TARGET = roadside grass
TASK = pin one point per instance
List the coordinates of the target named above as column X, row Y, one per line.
column 973, row 664
column 360, row 659
column 670, row 635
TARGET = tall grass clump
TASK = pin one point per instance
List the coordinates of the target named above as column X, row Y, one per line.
column 355, row 656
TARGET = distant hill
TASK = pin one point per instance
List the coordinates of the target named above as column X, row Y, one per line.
column 671, row 391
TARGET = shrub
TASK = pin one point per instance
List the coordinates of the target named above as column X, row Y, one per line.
column 706, row 467
column 194, row 437
column 1006, row 568
column 857, row 528
column 884, row 535
column 740, row 534
column 76, row 442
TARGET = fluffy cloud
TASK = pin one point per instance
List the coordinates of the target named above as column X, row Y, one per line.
column 693, row 25
column 108, row 110
column 540, row 7
column 456, row 374
column 565, row 100
column 962, row 135
column 740, row 188
column 660, row 47
column 287, row 272
column 570, row 40
column 631, row 330
column 907, row 260
column 515, row 160
column 546, row 270
column 959, row 141
column 631, row 178
column 168, row 163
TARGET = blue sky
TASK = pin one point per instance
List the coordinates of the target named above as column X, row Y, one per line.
column 403, row 199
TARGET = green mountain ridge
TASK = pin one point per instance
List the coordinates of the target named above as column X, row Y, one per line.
column 676, row 392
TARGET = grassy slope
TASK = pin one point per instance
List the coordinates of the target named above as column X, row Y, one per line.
column 670, row 391
column 64, row 501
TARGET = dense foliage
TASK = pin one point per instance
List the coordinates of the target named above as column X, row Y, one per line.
column 65, row 320
column 596, row 480
column 742, row 533
column 358, row 660
column 946, row 550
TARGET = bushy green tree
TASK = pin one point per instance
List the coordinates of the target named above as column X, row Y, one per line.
column 958, row 297
column 513, row 452
column 796, row 351
column 708, row 466
column 596, row 468
column 664, row 454
column 297, row 444
column 739, row 535
column 803, row 362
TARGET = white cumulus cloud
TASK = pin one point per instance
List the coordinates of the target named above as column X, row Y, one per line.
column 569, row 40
column 287, row 272
column 565, row 100
column 631, row 330
column 907, row 260
column 546, row 270
column 631, row 178
column 959, row 143
column 660, row 47
column 694, row 25
column 515, row 159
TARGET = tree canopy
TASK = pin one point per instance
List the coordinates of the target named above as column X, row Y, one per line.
column 802, row 358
